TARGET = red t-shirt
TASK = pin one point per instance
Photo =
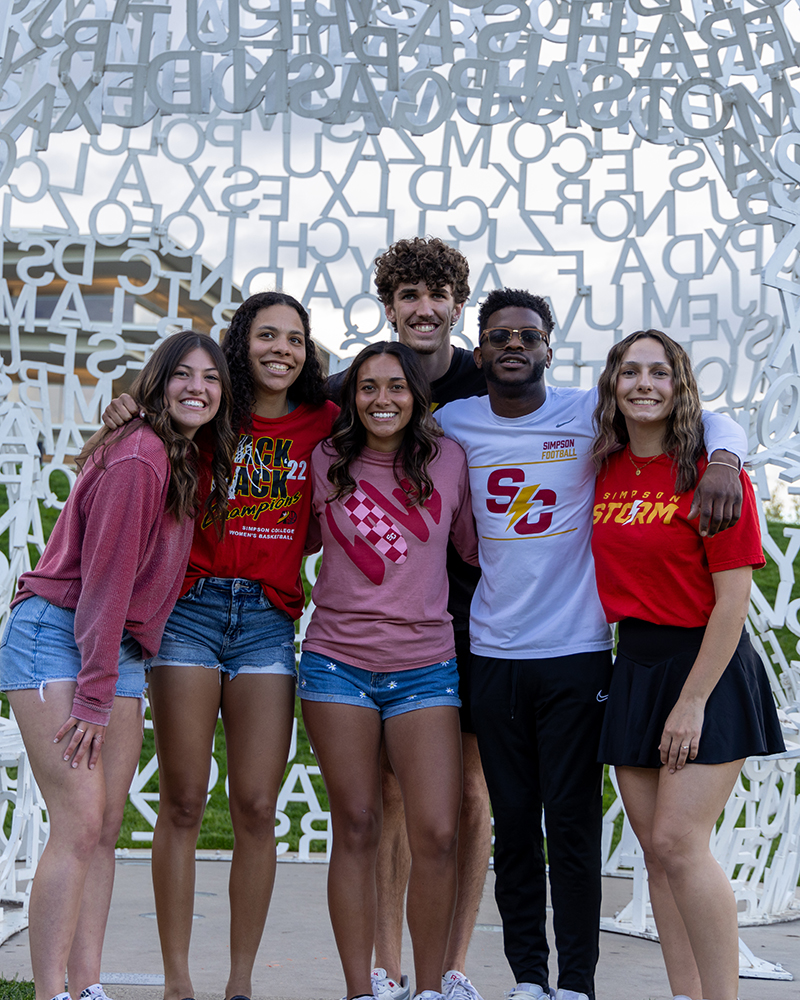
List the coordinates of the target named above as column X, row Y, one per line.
column 268, row 507
column 650, row 561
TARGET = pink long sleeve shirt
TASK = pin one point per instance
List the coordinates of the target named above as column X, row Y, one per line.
column 115, row 558
column 381, row 595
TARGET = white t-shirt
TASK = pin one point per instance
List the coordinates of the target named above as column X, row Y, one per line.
column 532, row 483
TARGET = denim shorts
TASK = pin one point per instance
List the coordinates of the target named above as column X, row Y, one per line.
column 39, row 648
column 230, row 626
column 390, row 692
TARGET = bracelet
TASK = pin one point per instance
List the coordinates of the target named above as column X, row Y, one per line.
column 727, row 466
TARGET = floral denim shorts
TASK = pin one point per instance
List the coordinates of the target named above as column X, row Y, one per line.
column 390, row 692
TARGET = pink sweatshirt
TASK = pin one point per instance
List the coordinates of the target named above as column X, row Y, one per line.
column 117, row 560
column 381, row 596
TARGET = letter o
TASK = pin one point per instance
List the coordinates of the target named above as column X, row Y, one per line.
column 677, row 110
column 512, row 142
column 628, row 211
column 201, row 140
column 169, row 246
column 120, row 238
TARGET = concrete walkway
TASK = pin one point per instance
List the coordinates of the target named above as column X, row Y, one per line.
column 298, row 959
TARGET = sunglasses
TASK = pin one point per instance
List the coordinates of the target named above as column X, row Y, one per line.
column 529, row 336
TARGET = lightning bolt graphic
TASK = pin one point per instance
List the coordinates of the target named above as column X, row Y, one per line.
column 521, row 504
column 634, row 511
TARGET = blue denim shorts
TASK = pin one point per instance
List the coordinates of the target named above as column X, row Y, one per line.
column 391, row 692
column 230, row 626
column 38, row 648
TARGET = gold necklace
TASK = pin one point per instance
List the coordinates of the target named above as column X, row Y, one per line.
column 640, row 467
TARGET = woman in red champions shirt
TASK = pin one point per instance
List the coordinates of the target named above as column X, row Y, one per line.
column 82, row 622
column 689, row 697
column 229, row 644
column 379, row 655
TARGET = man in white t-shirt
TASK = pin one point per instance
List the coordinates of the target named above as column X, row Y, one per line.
column 541, row 646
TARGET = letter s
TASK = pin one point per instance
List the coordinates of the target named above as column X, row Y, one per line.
column 496, row 489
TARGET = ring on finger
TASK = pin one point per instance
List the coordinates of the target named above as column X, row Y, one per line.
column 80, row 730
column 686, row 747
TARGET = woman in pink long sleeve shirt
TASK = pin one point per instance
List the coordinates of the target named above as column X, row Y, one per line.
column 79, row 630
column 379, row 653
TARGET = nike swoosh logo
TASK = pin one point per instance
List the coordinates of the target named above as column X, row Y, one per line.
column 601, row 696
column 565, row 422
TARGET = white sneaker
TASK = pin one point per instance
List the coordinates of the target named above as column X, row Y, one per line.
column 384, row 988
column 429, row 995
column 570, row 995
column 526, row 991
column 95, row 992
column 456, row 986
column 62, row 996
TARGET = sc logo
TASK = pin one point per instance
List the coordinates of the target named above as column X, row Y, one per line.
column 517, row 501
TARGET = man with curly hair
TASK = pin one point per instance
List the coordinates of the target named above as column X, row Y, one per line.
column 423, row 284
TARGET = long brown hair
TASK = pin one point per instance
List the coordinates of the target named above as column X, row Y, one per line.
column 308, row 387
column 149, row 392
column 683, row 439
column 349, row 436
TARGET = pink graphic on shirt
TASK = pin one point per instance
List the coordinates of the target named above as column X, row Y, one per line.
column 360, row 552
column 376, row 527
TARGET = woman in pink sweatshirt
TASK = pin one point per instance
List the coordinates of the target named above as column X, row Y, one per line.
column 72, row 656
column 379, row 655
column 229, row 644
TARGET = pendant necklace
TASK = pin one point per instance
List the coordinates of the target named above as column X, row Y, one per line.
column 640, row 467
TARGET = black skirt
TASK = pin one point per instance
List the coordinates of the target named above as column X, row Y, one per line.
column 652, row 664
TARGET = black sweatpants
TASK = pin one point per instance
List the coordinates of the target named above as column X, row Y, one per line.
column 538, row 725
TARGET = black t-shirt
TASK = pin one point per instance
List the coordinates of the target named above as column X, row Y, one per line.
column 461, row 380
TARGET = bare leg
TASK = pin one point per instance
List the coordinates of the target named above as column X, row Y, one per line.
column 686, row 812
column 257, row 710
column 424, row 747
column 185, row 703
column 346, row 741
column 639, row 788
column 121, row 752
column 685, row 808
column 75, row 799
column 394, row 863
column 474, row 850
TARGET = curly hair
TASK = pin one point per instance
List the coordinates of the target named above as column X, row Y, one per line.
column 149, row 391
column 349, row 436
column 683, row 439
column 427, row 259
column 503, row 298
column 308, row 387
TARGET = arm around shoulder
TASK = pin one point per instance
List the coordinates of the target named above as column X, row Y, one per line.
column 462, row 529
column 718, row 497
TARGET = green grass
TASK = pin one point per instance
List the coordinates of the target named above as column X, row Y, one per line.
column 768, row 579
column 216, row 833
column 13, row 989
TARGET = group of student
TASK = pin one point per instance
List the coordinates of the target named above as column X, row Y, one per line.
column 429, row 686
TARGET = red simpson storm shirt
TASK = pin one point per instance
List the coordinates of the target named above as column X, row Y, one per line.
column 650, row 561
column 268, row 507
